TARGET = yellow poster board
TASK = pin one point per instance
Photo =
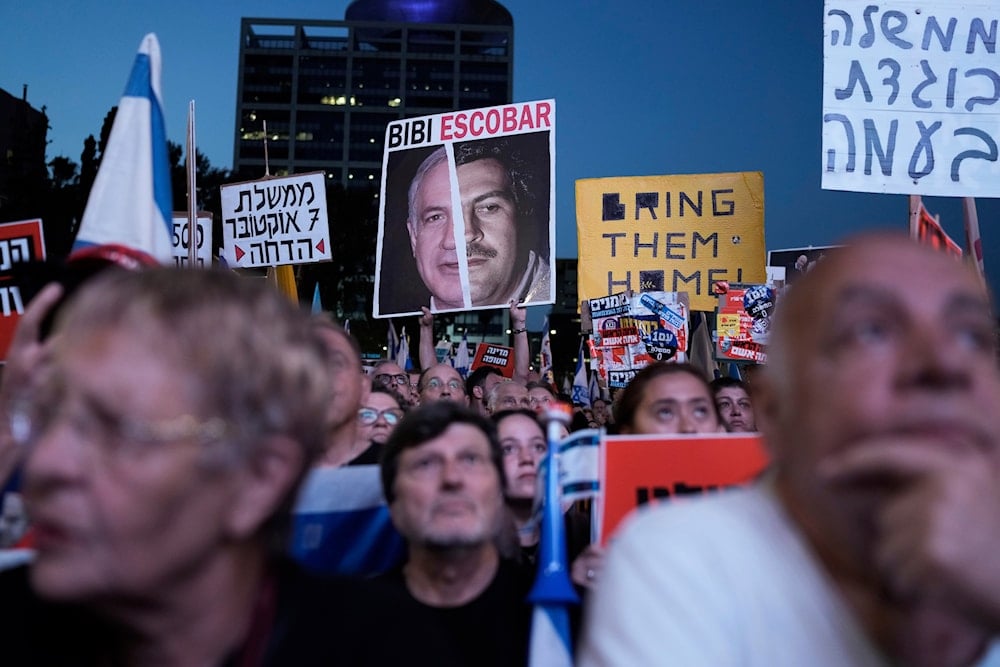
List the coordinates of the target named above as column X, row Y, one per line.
column 670, row 233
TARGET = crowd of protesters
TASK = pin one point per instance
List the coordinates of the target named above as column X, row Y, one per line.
column 166, row 435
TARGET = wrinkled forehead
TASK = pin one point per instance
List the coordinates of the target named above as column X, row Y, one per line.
column 442, row 374
column 457, row 438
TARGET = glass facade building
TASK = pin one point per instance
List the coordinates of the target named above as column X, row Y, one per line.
column 325, row 90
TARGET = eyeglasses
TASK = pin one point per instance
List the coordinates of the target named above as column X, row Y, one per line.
column 369, row 416
column 31, row 420
column 387, row 380
column 437, row 383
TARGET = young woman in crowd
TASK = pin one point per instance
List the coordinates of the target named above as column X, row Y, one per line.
column 667, row 398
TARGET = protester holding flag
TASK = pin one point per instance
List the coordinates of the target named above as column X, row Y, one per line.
column 523, row 444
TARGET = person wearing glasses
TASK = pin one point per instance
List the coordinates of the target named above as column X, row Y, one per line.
column 165, row 435
column 378, row 415
column 441, row 382
column 391, row 375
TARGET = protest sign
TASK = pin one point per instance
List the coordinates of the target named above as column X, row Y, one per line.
column 797, row 261
column 276, row 221
column 631, row 331
column 466, row 212
column 497, row 356
column 181, row 238
column 669, row 233
column 646, row 468
column 744, row 322
column 19, row 242
column 909, row 97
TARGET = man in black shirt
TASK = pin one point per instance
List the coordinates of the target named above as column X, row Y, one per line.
column 442, row 475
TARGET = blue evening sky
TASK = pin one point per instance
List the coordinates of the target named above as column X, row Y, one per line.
column 641, row 88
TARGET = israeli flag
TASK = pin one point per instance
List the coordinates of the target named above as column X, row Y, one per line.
column 581, row 391
column 552, row 594
column 130, row 202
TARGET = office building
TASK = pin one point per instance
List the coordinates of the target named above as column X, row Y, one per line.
column 327, row 89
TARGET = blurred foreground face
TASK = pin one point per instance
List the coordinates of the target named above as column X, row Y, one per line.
column 447, row 491
column 887, row 340
column 523, row 445
column 735, row 409
column 674, row 403
column 124, row 503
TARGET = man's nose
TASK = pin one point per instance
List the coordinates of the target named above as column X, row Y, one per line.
column 448, row 236
column 451, row 475
column 56, row 458
column 687, row 424
column 473, row 232
column 930, row 361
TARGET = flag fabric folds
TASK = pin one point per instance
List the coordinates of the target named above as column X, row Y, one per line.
column 317, row 304
column 341, row 523
column 579, row 465
column 130, row 201
column 581, row 390
column 391, row 342
column 545, row 368
column 550, row 644
column 403, row 352
column 461, row 360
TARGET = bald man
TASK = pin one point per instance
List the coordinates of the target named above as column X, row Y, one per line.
column 873, row 540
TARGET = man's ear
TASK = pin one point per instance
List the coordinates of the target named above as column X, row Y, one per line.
column 267, row 478
column 477, row 393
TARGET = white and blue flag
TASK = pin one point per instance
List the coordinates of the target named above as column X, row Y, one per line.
column 130, row 202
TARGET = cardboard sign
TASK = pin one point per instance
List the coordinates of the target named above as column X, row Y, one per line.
column 648, row 468
column 910, row 93
column 797, row 261
column 497, row 356
column 631, row 331
column 744, row 322
column 276, row 221
column 182, row 239
column 466, row 211
column 19, row 242
column 669, row 233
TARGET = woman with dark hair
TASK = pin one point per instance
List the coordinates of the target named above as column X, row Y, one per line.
column 667, row 398
column 523, row 445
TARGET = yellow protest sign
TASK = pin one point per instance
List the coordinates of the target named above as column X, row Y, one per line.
column 670, row 233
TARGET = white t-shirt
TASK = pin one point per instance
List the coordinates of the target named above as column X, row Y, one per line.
column 722, row 579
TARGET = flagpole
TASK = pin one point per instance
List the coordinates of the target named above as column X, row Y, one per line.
column 192, row 188
column 915, row 203
column 973, row 241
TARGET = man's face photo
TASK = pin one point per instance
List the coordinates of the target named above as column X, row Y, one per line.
column 432, row 237
column 478, row 226
column 490, row 226
column 490, row 230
